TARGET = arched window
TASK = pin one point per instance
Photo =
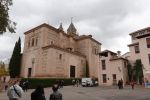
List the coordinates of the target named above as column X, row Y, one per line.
column 32, row 41
column 36, row 41
column 94, row 50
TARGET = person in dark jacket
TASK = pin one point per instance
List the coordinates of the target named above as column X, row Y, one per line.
column 61, row 83
column 119, row 84
column 56, row 95
column 26, row 85
column 38, row 94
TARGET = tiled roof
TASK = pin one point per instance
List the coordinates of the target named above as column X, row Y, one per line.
column 82, row 37
column 108, row 51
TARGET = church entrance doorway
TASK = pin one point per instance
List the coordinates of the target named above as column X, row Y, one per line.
column 29, row 72
column 72, row 71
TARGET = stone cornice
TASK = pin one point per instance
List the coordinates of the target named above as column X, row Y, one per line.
column 133, row 44
column 140, row 30
column 62, row 49
column 40, row 26
column 118, row 58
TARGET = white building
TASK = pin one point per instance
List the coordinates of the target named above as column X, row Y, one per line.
column 112, row 68
column 140, row 49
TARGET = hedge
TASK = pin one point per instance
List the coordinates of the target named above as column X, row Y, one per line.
column 47, row 82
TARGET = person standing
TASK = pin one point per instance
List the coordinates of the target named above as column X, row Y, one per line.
column 61, row 83
column 73, row 82
column 15, row 91
column 56, row 95
column 121, row 83
column 132, row 84
column 38, row 94
column 26, row 84
column 6, row 86
column 77, row 82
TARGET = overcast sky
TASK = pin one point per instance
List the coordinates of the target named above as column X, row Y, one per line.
column 108, row 21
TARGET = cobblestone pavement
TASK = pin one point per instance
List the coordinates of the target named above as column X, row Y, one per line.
column 93, row 93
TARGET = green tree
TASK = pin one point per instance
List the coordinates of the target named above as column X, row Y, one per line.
column 138, row 71
column 130, row 72
column 5, row 23
column 2, row 69
column 15, row 61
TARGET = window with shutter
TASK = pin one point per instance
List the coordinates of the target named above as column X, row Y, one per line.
column 148, row 42
column 137, row 50
column 103, row 64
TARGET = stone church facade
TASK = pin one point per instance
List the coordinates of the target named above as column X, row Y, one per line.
column 51, row 52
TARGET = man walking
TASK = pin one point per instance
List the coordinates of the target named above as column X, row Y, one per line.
column 56, row 95
column 15, row 91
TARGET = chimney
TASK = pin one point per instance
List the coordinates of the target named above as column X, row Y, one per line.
column 119, row 53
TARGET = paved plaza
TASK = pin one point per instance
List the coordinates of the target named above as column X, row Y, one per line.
column 93, row 93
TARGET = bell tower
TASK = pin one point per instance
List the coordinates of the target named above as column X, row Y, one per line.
column 71, row 29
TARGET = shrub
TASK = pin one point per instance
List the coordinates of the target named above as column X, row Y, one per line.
column 47, row 82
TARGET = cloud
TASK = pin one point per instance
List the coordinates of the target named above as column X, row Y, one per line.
column 109, row 21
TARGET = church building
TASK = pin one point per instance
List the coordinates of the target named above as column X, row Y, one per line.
column 52, row 52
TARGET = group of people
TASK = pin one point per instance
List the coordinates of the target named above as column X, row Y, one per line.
column 120, row 84
column 24, row 85
column 38, row 94
column 60, row 83
column 75, row 82
column 15, row 92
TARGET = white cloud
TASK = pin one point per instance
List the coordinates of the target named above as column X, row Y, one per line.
column 109, row 21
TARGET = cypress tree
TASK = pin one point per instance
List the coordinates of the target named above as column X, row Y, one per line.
column 139, row 71
column 130, row 72
column 18, row 61
column 12, row 62
column 15, row 61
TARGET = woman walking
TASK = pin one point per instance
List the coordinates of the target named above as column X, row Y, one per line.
column 38, row 94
